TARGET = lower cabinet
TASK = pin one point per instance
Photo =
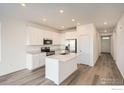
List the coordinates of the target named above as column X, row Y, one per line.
column 42, row 59
column 34, row 61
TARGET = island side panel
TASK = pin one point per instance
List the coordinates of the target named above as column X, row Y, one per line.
column 67, row 68
column 52, row 69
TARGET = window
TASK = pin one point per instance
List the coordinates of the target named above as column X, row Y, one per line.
column 105, row 37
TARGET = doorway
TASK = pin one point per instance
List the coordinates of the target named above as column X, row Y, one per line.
column 106, row 44
column 84, row 48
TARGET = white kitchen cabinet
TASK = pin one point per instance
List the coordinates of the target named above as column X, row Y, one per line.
column 35, row 60
column 31, row 37
column 62, row 38
column 39, row 37
column 71, row 35
column 34, row 36
column 47, row 34
column 58, row 67
column 42, row 59
column 56, row 38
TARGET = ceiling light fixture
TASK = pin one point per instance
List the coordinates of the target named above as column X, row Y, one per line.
column 61, row 11
column 72, row 20
column 105, row 23
column 44, row 19
column 23, row 4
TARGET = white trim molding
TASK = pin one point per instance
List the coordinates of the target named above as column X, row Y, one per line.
column 0, row 41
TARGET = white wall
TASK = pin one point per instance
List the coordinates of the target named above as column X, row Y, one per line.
column 13, row 45
column 95, row 45
column 120, row 45
column 114, row 45
column 0, row 41
column 99, row 43
column 90, row 30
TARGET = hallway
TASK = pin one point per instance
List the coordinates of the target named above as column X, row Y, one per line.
column 104, row 72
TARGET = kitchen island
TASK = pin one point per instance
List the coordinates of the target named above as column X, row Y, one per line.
column 59, row 67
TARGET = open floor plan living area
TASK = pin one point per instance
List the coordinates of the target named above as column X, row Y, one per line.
column 61, row 44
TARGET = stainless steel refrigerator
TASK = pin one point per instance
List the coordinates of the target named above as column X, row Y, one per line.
column 71, row 45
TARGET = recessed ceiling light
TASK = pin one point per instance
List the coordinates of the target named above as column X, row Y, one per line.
column 105, row 23
column 44, row 19
column 23, row 4
column 73, row 20
column 61, row 11
column 62, row 27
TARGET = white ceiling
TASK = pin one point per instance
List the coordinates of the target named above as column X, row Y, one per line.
column 81, row 12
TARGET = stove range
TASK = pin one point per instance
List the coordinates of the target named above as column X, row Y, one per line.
column 48, row 51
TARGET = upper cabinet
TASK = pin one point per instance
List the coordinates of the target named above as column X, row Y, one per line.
column 62, row 38
column 71, row 34
column 56, row 38
column 35, row 36
column 47, row 34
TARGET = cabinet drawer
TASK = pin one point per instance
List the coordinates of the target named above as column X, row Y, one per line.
column 35, row 60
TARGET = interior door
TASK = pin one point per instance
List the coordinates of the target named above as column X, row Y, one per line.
column 84, row 48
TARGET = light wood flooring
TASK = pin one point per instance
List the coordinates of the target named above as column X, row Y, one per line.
column 105, row 72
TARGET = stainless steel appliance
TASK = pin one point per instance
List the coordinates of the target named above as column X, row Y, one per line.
column 71, row 45
column 47, row 50
column 50, row 53
column 47, row 41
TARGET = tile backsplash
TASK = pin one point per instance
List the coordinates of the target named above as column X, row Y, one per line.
column 37, row 48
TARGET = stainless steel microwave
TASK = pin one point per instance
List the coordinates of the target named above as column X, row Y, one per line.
column 47, row 42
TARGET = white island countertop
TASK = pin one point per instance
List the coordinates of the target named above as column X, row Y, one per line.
column 59, row 67
column 65, row 57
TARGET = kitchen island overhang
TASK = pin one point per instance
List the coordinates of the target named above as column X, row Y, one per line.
column 60, row 67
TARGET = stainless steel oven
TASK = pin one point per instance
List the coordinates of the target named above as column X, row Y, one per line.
column 47, row 50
